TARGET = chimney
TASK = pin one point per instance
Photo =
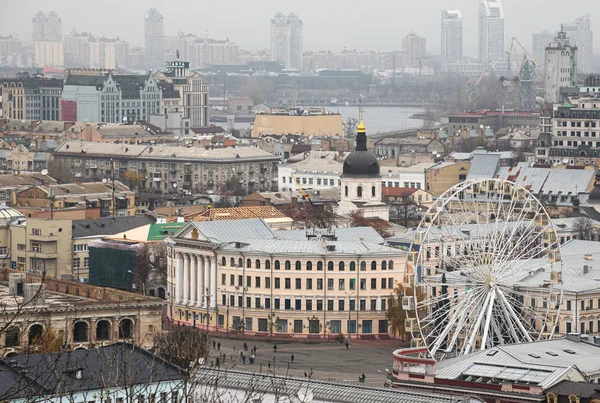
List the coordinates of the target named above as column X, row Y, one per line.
column 574, row 337
column 34, row 294
column 323, row 243
column 588, row 256
column 586, row 269
column 15, row 284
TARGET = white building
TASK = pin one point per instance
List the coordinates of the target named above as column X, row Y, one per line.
column 405, row 177
column 491, row 32
column 560, row 69
column 312, row 173
column 452, row 33
column 154, row 39
column 580, row 35
column 47, row 40
column 287, row 40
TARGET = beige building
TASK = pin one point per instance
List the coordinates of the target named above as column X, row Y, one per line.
column 442, row 176
column 319, row 125
column 81, row 316
column 249, row 278
column 169, row 169
column 48, row 53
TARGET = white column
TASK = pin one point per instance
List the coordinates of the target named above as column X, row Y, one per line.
column 186, row 278
column 200, row 283
column 213, row 282
column 206, row 279
column 179, row 278
column 193, row 271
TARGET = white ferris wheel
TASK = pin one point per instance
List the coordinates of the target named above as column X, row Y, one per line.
column 484, row 269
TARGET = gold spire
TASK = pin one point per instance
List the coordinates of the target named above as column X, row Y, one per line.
column 361, row 127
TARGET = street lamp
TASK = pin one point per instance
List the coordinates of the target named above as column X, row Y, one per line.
column 349, row 312
column 141, row 282
column 227, row 312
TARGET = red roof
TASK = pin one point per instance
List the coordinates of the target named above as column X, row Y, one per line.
column 208, row 129
column 398, row 192
column 485, row 112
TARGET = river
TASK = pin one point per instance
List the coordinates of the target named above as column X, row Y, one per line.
column 377, row 119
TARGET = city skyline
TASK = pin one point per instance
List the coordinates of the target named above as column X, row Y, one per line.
column 360, row 29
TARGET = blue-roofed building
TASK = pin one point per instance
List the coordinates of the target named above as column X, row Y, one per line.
column 251, row 278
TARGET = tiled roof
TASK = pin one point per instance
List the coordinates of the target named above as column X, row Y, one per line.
column 236, row 213
column 580, row 389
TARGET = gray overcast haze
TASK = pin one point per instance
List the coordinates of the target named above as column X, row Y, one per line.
column 328, row 24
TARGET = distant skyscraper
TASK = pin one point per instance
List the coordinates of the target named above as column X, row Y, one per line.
column 581, row 35
column 491, row 32
column 540, row 41
column 452, row 41
column 560, row 69
column 287, row 40
column 154, row 39
column 414, row 47
column 47, row 40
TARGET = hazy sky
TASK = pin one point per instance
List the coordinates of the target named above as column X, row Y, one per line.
column 328, row 24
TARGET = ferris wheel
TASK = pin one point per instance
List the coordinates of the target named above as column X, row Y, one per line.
column 484, row 269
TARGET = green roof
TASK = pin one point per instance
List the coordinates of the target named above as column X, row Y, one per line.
column 158, row 232
column 567, row 105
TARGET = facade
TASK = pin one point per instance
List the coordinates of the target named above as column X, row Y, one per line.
column 202, row 51
column 322, row 125
column 184, row 92
column 10, row 52
column 495, row 120
column 491, row 32
column 405, row 177
column 452, row 37
column 287, row 40
column 81, row 315
column 47, row 40
column 154, row 39
column 540, row 41
column 249, row 278
column 31, row 98
column 113, row 98
column 191, row 169
column 415, row 49
column 312, row 173
column 84, row 50
column 560, row 68
column 580, row 35
column 443, row 175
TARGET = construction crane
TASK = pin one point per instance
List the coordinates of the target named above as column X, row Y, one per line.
column 306, row 196
column 525, row 69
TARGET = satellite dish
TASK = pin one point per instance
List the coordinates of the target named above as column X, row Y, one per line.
column 174, row 185
column 124, row 118
column 566, row 161
column 305, row 395
column 434, row 152
column 438, row 155
column 104, row 180
column 44, row 172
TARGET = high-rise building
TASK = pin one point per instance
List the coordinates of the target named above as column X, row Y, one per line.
column 154, row 39
column 581, row 35
column 415, row 48
column 287, row 40
column 560, row 69
column 10, row 51
column 452, row 32
column 540, row 41
column 491, row 32
column 47, row 40
column 84, row 50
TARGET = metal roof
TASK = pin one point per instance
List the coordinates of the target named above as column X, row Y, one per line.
column 264, row 383
column 234, row 230
column 484, row 166
column 309, row 247
column 108, row 225
column 367, row 234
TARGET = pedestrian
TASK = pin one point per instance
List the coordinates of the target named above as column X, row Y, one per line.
column 292, row 358
column 252, row 358
column 347, row 345
column 254, row 349
column 244, row 359
column 224, row 357
column 241, row 354
column 274, row 348
column 269, row 364
column 217, row 361
column 305, row 375
column 245, row 347
column 219, row 346
column 214, row 344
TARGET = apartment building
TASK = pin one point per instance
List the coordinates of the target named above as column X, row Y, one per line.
column 249, row 278
column 172, row 169
column 31, row 98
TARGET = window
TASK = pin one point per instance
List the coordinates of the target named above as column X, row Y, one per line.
column 257, row 264
column 336, row 326
column 309, row 304
column 232, row 262
column 277, row 304
column 373, row 265
column 298, row 265
column 36, row 231
column 298, row 284
column 248, row 281
column 330, row 266
column 373, row 305
column 298, row 304
column 277, row 266
column 363, row 304
column 268, row 264
column 346, row 191
column 86, row 262
column 373, row 191
column 341, row 266
column 330, row 305
column 21, row 246
column 373, row 284
column 309, row 283
column 232, row 279
column 277, row 282
column 383, row 303
column 257, row 302
column 330, row 284
column 342, row 284
column 352, row 305
column 363, row 266
column 288, row 283
column 240, row 262
column 257, row 282
column 36, row 247
column 267, row 303
column 390, row 283
column 76, row 263
column 288, row 265
column 319, row 284
column 359, row 191
column 352, row 284
column 319, row 305
column 309, row 266
column 223, row 261
column 320, row 266
column 383, row 265
column 240, row 281
column 383, row 283
column 391, row 265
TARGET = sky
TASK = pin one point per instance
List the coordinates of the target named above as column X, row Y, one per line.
column 328, row 24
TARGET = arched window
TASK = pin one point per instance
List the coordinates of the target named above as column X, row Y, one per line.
column 352, row 266
column 232, row 262
column 308, row 265
column 80, row 332
column 13, row 337
column 391, row 265
column 126, row 329
column 346, row 191
column 383, row 265
column 257, row 264
column 320, row 266
column 359, row 191
column 330, row 266
column 161, row 293
column 248, row 264
column 103, row 330
column 223, row 261
column 35, row 333
column 341, row 266
column 240, row 262
column 288, row 265
column 268, row 264
column 373, row 192
column 373, row 265
column 363, row 266
column 277, row 265
column 298, row 265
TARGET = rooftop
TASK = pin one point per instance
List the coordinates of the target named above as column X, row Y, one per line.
column 108, row 225
column 236, row 213
column 24, row 179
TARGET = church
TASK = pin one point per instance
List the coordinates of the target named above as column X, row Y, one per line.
column 361, row 181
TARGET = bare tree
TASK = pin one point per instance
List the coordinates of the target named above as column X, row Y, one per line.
column 60, row 170
column 403, row 210
column 585, row 228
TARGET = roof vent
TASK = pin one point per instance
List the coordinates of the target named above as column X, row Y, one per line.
column 552, row 353
column 586, row 269
column 330, row 248
column 588, row 256
column 534, row 355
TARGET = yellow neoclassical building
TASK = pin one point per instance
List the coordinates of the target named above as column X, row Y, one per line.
column 241, row 275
